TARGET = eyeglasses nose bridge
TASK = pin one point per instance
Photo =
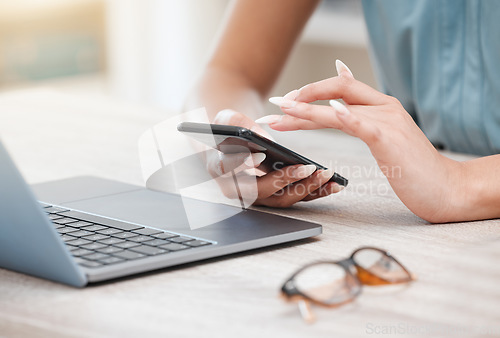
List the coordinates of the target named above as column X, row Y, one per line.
column 347, row 264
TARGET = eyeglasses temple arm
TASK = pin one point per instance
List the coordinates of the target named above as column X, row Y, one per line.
column 306, row 311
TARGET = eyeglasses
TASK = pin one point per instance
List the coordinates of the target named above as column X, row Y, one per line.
column 334, row 283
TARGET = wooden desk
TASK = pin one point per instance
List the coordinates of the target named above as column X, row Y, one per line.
column 53, row 136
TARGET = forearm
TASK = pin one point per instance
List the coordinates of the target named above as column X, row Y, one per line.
column 220, row 89
column 479, row 182
column 256, row 40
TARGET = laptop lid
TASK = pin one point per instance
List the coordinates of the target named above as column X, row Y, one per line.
column 28, row 242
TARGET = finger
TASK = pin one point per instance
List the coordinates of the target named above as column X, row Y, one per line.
column 342, row 70
column 230, row 117
column 323, row 191
column 276, row 180
column 296, row 192
column 356, row 125
column 288, row 123
column 234, row 118
column 219, row 164
column 346, row 88
column 264, row 186
column 318, row 114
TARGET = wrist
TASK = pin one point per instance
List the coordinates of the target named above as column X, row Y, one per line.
column 447, row 199
column 456, row 194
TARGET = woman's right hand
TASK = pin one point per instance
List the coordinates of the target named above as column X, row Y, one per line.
column 427, row 182
column 279, row 188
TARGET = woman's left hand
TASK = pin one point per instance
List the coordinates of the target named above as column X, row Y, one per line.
column 424, row 180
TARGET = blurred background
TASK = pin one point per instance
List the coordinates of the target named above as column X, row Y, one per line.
column 150, row 52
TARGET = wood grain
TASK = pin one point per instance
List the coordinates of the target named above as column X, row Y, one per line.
column 54, row 136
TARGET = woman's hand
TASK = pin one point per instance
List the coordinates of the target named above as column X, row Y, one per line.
column 424, row 180
column 279, row 188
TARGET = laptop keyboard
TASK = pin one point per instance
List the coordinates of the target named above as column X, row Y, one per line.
column 96, row 241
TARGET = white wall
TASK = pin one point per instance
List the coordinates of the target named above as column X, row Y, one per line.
column 157, row 48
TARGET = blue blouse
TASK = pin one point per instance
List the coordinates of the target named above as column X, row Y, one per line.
column 441, row 59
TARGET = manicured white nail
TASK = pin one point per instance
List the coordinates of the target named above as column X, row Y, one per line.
column 326, row 174
column 304, row 171
column 282, row 102
column 255, row 159
column 341, row 67
column 224, row 116
column 339, row 107
column 335, row 187
column 268, row 119
column 292, row 95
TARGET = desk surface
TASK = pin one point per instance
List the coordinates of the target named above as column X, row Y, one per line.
column 53, row 136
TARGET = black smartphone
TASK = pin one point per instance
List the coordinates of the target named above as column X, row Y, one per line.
column 233, row 139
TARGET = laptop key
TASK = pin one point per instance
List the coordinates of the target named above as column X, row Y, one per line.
column 90, row 264
column 174, row 247
column 124, row 235
column 148, row 250
column 140, row 239
column 94, row 227
column 126, row 245
column 96, row 237
column 96, row 256
column 64, row 220
column 82, row 233
column 111, row 260
column 67, row 238
column 180, row 239
column 93, row 246
column 54, row 210
column 128, row 255
column 156, row 242
column 147, row 231
column 71, row 247
column 81, row 252
column 54, row 216
column 197, row 243
column 65, row 230
column 109, row 231
column 111, row 240
column 109, row 250
column 164, row 235
column 81, row 224
column 79, row 242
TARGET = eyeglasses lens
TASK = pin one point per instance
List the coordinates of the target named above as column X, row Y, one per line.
column 378, row 264
column 327, row 283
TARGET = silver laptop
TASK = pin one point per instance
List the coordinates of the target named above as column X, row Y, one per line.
column 85, row 230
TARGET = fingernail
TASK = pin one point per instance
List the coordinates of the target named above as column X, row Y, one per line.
column 341, row 67
column 268, row 119
column 282, row 102
column 292, row 95
column 224, row 116
column 326, row 174
column 304, row 171
column 255, row 159
column 339, row 107
column 337, row 187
